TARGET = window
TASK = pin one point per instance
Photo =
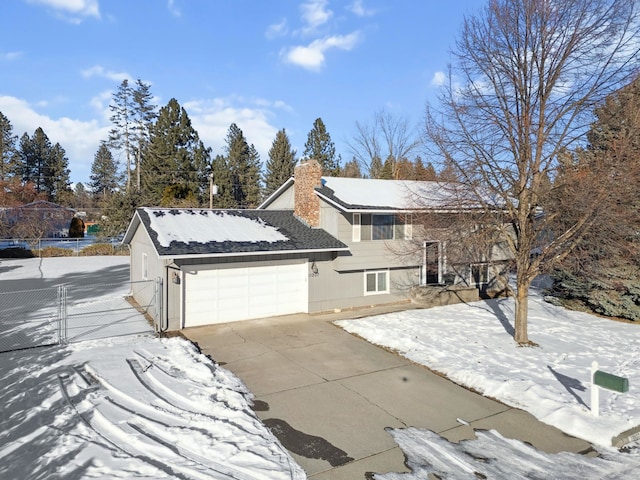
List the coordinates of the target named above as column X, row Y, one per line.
column 382, row 227
column 376, row 282
column 145, row 266
column 479, row 274
column 356, row 227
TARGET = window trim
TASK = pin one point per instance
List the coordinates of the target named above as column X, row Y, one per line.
column 357, row 227
column 387, row 274
column 408, row 226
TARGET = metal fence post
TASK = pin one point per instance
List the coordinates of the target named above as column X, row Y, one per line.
column 63, row 314
column 158, row 295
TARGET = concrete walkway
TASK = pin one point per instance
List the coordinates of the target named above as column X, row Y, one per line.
column 329, row 396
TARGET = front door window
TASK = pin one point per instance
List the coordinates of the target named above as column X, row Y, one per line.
column 432, row 263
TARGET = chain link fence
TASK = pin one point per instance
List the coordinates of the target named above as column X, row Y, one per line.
column 30, row 318
column 62, row 314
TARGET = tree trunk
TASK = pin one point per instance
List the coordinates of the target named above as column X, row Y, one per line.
column 522, row 311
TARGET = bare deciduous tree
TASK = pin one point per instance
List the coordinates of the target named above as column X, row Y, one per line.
column 387, row 137
column 526, row 77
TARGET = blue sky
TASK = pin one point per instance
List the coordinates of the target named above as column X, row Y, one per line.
column 262, row 64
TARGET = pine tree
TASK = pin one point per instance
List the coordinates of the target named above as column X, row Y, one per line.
column 105, row 178
column 387, row 172
column 375, row 167
column 57, row 181
column 9, row 160
column 175, row 170
column 144, row 115
column 280, row 164
column 320, row 147
column 243, row 163
column 121, row 135
column 222, row 179
column 351, row 169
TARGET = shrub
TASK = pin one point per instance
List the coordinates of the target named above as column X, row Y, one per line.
column 56, row 252
column 15, row 252
column 104, row 249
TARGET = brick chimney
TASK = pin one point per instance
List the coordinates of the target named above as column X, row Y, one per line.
column 307, row 175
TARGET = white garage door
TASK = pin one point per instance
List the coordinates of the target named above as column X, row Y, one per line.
column 240, row 293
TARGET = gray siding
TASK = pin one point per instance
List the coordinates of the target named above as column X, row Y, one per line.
column 141, row 245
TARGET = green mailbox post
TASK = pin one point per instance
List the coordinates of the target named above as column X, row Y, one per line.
column 600, row 379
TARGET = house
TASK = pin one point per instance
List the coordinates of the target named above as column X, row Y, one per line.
column 39, row 219
column 316, row 244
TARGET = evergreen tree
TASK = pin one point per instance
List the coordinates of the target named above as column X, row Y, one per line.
column 118, row 212
column 603, row 271
column 144, row 115
column 375, row 167
column 121, row 135
column 280, row 164
column 320, row 147
column 351, row 169
column 81, row 198
column 422, row 172
column 222, row 178
column 387, row 172
column 104, row 173
column 175, row 170
column 9, row 161
column 34, row 152
column 57, row 180
column 243, row 163
column 76, row 228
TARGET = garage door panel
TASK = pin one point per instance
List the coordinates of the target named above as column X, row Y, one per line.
column 231, row 294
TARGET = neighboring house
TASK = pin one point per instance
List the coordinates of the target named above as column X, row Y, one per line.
column 39, row 219
column 316, row 244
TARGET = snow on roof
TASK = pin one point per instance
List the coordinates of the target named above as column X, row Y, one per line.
column 203, row 226
column 368, row 193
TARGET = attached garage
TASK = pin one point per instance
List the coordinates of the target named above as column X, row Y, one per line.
column 240, row 293
column 219, row 266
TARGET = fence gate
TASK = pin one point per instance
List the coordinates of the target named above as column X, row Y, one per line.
column 61, row 314
column 31, row 318
column 103, row 311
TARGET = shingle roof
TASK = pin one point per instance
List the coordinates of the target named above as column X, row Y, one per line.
column 231, row 232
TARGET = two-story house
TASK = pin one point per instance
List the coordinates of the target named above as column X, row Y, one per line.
column 316, row 244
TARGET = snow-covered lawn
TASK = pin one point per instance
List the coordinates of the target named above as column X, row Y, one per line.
column 132, row 406
column 135, row 406
column 472, row 344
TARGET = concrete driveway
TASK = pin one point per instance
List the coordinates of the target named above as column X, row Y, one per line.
column 329, row 396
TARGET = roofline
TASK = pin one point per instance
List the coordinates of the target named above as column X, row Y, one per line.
column 244, row 254
column 275, row 194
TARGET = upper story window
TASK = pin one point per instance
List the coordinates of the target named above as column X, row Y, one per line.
column 368, row 226
column 382, row 227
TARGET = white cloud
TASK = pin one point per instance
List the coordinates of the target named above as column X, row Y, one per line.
column 79, row 138
column 312, row 56
column 71, row 10
column 358, row 8
column 212, row 118
column 439, row 78
column 277, row 29
column 100, row 71
column 175, row 11
column 314, row 14
column 9, row 56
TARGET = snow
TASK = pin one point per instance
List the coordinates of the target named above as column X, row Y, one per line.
column 136, row 406
column 393, row 194
column 472, row 345
column 132, row 406
column 203, row 226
